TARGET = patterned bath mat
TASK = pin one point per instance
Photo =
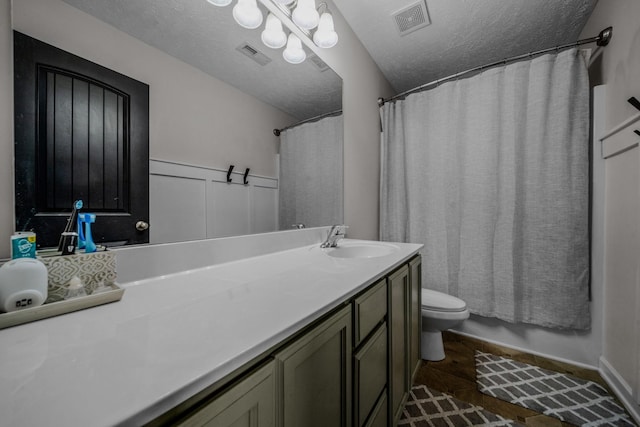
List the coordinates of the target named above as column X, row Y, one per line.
column 573, row 400
column 430, row 408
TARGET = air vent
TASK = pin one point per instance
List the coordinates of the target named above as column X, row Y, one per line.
column 317, row 62
column 412, row 17
column 253, row 53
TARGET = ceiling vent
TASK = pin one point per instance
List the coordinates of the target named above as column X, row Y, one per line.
column 253, row 53
column 412, row 17
column 317, row 62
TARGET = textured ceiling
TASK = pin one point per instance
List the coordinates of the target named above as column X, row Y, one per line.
column 206, row 37
column 463, row 33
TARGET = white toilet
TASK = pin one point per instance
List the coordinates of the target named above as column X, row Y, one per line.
column 439, row 313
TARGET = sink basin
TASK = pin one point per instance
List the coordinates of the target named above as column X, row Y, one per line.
column 361, row 250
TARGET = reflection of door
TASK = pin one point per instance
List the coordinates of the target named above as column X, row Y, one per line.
column 82, row 132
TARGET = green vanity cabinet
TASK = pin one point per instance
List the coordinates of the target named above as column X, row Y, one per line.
column 354, row 368
column 315, row 375
column 248, row 403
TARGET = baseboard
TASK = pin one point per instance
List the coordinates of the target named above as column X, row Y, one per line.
column 620, row 387
column 527, row 350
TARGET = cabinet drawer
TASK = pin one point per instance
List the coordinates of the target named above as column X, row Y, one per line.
column 379, row 415
column 370, row 370
column 370, row 308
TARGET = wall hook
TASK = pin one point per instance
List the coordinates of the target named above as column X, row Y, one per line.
column 637, row 132
column 634, row 101
column 246, row 174
column 229, row 173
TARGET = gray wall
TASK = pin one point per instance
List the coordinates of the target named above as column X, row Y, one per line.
column 362, row 85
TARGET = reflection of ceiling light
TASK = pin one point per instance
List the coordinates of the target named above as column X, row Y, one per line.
column 305, row 16
column 273, row 36
column 294, row 54
column 247, row 14
column 325, row 36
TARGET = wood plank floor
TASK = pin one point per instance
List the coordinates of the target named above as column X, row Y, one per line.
column 456, row 375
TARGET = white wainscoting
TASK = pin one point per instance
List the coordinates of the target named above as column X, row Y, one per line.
column 620, row 361
column 188, row 202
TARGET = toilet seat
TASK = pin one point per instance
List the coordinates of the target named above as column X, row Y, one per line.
column 438, row 301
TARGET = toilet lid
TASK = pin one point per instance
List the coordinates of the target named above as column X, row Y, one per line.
column 434, row 300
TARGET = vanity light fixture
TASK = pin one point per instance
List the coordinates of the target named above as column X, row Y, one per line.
column 220, row 2
column 294, row 54
column 304, row 15
column 247, row 14
column 273, row 35
column 325, row 36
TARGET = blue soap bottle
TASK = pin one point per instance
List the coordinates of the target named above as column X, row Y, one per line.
column 84, row 232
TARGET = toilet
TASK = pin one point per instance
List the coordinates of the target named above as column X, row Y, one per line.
column 439, row 313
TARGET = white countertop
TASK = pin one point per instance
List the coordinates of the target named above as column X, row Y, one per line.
column 170, row 336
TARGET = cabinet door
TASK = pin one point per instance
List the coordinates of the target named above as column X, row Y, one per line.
column 415, row 283
column 250, row 403
column 399, row 326
column 370, row 373
column 315, row 375
column 379, row 416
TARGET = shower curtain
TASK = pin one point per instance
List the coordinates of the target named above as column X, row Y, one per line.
column 311, row 174
column 491, row 174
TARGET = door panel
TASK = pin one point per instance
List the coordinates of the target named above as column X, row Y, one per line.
column 82, row 132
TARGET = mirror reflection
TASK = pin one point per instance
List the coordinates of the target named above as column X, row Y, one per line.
column 215, row 167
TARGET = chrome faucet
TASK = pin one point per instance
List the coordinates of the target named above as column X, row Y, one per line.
column 336, row 233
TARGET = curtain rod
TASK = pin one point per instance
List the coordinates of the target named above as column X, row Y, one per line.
column 276, row 132
column 601, row 39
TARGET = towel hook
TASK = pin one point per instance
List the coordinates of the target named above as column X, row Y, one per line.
column 229, row 173
column 246, row 173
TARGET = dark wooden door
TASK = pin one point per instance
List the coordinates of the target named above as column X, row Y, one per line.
column 81, row 132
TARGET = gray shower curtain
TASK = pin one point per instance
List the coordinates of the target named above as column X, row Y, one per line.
column 311, row 174
column 491, row 174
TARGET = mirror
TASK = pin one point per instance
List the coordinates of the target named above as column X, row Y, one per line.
column 207, row 37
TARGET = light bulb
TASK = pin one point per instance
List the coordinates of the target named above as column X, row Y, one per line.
column 272, row 35
column 220, row 2
column 305, row 14
column 325, row 36
column 294, row 54
column 247, row 14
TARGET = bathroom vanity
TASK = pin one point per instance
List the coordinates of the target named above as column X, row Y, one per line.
column 290, row 335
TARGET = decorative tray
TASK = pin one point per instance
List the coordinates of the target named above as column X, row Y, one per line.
column 111, row 293
column 97, row 272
